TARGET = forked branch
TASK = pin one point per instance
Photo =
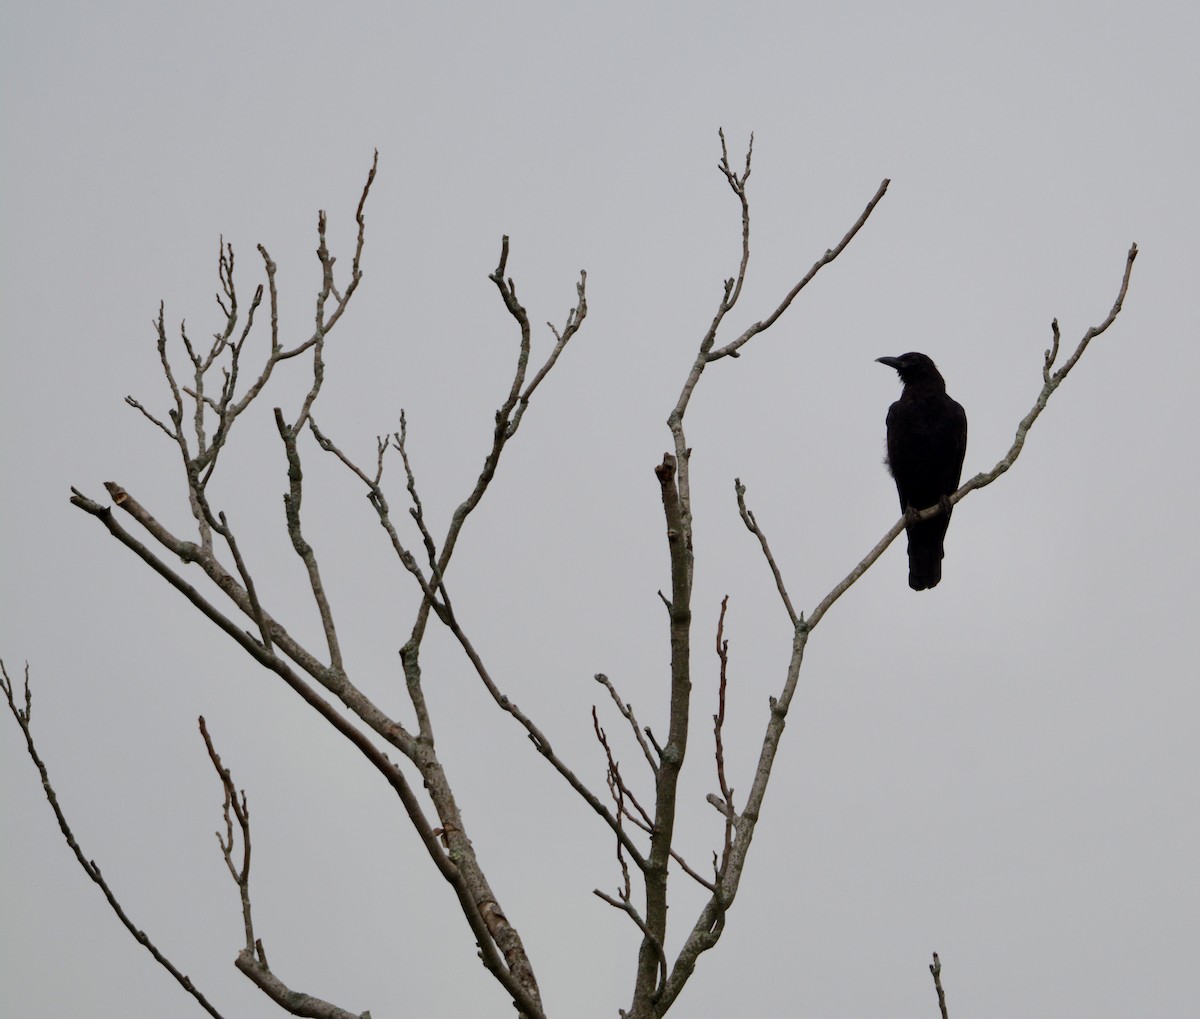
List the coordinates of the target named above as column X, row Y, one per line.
column 252, row 959
column 652, row 998
column 236, row 807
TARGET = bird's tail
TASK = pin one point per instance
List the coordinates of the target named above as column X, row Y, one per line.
column 925, row 551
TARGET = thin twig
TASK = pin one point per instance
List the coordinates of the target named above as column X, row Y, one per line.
column 626, row 710
column 718, row 728
column 626, row 906
column 752, row 525
column 575, row 319
column 251, row 593
column 732, row 347
column 22, row 716
column 540, row 741
column 733, row 288
column 417, row 511
column 687, row 868
column 235, row 807
column 169, row 432
column 616, row 784
column 935, row 968
column 291, row 502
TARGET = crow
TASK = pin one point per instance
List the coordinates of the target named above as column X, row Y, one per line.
column 926, row 442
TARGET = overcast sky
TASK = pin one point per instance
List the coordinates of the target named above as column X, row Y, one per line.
column 1003, row 770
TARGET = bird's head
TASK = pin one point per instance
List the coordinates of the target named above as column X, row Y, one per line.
column 913, row 367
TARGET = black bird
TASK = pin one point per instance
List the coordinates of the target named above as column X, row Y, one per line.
column 926, row 442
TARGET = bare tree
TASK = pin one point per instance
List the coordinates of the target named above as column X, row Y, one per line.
column 210, row 388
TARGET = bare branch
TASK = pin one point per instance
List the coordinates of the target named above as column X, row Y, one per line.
column 648, row 985
column 226, row 408
column 211, row 406
column 409, row 653
column 304, row 550
column 169, row 432
column 707, row 354
column 239, row 808
column 540, row 742
column 733, row 288
column 418, row 510
column 296, row 1002
column 22, row 716
column 626, row 906
column 690, row 871
column 500, row 947
column 252, row 959
column 935, row 968
column 1052, row 353
column 752, row 526
column 626, row 711
column 618, row 791
column 718, row 727
column 575, row 319
column 189, row 552
column 485, row 919
column 1095, row 331
column 324, row 442
column 500, row 434
column 741, row 828
column 507, row 419
column 391, row 731
column 342, row 301
column 731, row 348
column 256, row 609
column 320, row 328
column 616, row 784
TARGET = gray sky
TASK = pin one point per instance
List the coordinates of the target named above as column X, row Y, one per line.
column 1002, row 770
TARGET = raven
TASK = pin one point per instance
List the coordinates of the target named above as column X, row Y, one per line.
column 926, row 442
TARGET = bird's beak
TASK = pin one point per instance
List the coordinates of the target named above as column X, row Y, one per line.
column 891, row 362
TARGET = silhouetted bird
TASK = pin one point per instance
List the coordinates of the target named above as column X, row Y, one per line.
column 926, row 442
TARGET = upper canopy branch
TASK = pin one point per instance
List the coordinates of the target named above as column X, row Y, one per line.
column 650, row 996
column 200, row 452
column 731, row 349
